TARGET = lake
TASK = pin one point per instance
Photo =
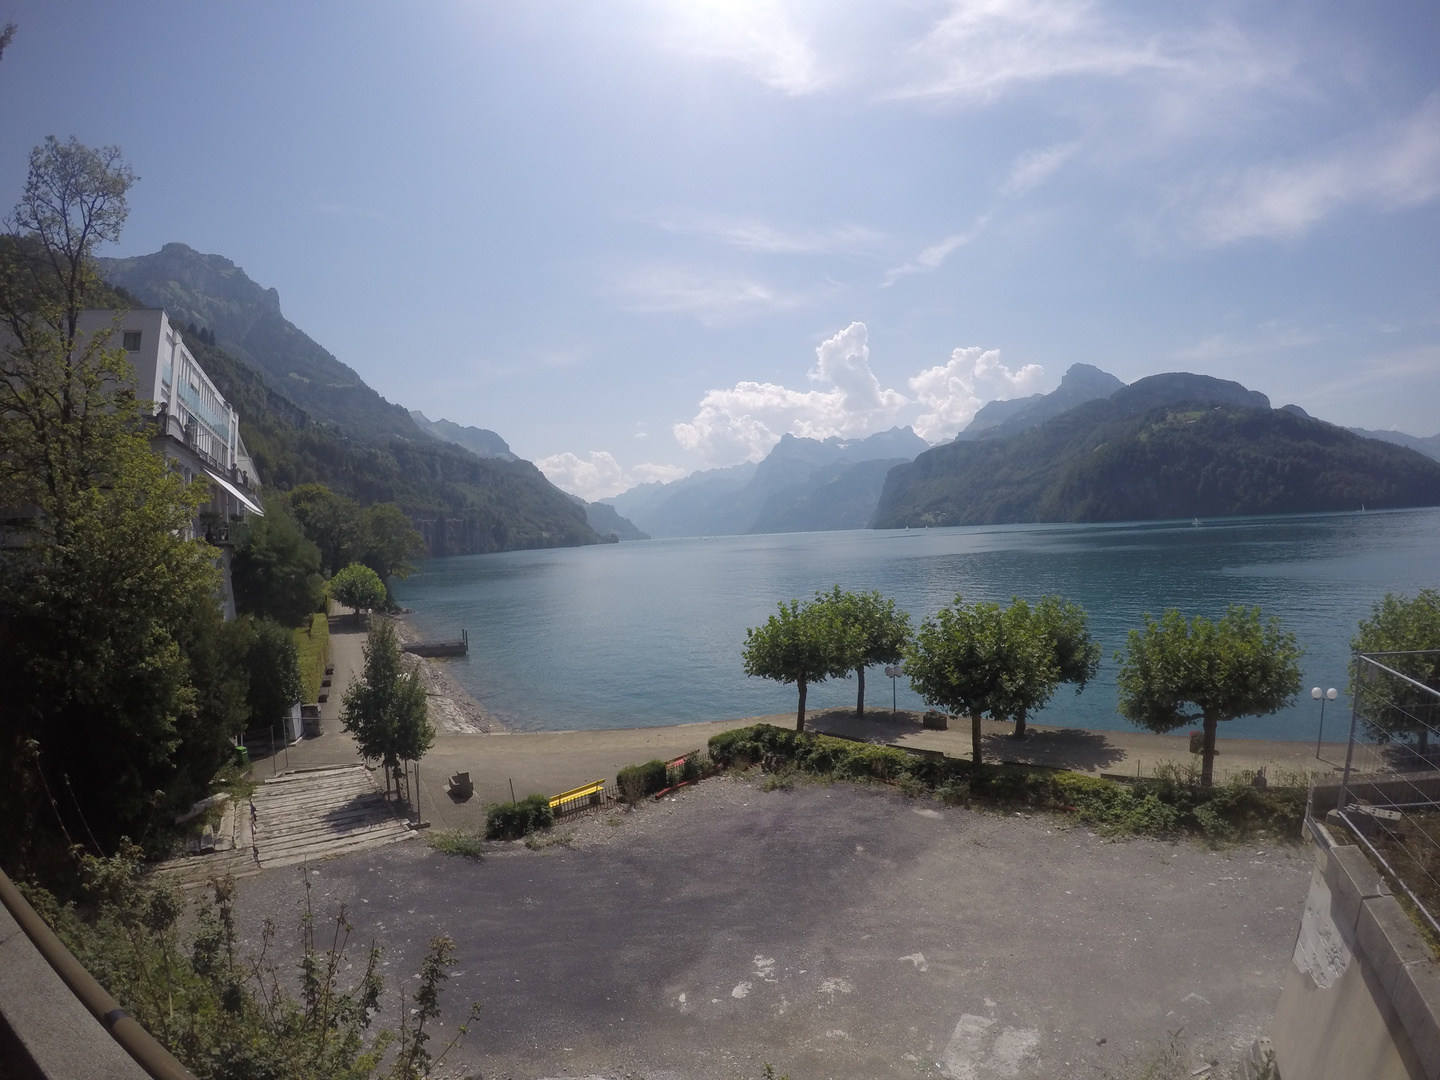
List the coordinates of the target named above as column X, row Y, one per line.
column 650, row 633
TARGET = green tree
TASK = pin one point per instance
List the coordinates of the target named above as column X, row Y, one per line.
column 272, row 670
column 101, row 594
column 358, row 587
column 385, row 708
column 276, row 571
column 981, row 659
column 1066, row 653
column 1387, row 705
column 879, row 632
column 1176, row 671
column 802, row 644
column 390, row 542
column 332, row 522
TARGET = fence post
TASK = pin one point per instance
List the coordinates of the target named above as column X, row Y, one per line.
column 1350, row 746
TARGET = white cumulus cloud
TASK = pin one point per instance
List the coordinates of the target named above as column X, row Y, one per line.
column 953, row 392
column 600, row 475
column 743, row 422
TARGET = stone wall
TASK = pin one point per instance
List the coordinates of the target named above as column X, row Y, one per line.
column 1362, row 996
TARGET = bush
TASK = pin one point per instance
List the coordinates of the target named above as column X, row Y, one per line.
column 1173, row 803
column 511, row 821
column 637, row 781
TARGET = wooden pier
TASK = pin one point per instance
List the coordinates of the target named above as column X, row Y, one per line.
column 455, row 647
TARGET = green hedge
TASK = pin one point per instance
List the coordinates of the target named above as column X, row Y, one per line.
column 649, row 778
column 511, row 821
column 1161, row 807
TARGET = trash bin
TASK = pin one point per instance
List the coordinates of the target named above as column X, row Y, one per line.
column 242, row 756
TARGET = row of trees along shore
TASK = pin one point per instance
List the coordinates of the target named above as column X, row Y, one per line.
column 983, row 659
column 125, row 687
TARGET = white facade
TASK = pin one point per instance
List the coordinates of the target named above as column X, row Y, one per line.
column 198, row 429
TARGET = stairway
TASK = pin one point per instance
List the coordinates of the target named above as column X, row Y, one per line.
column 300, row 817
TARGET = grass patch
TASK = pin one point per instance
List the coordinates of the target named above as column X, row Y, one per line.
column 459, row 842
column 1172, row 804
column 312, row 646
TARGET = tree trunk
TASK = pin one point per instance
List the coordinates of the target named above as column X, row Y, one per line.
column 975, row 738
column 860, row 699
column 800, row 713
column 1207, row 767
column 1019, row 726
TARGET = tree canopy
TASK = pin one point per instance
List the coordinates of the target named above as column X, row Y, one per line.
column 877, row 632
column 275, row 571
column 358, row 587
column 981, row 659
column 1175, row 671
column 1390, row 707
column 801, row 644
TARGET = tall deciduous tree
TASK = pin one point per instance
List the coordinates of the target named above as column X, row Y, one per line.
column 801, row 644
column 390, row 542
column 332, row 522
column 111, row 722
column 276, row 571
column 385, row 708
column 1391, row 706
column 877, row 632
column 1175, row 671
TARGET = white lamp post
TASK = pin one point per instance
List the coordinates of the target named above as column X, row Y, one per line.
column 1322, row 696
column 893, row 670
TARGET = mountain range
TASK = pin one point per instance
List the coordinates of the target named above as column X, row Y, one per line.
column 802, row 485
column 308, row 418
column 1169, row 446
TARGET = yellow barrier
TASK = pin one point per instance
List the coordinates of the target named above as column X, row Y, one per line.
column 584, row 791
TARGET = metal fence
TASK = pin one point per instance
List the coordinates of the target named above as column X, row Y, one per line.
column 1389, row 793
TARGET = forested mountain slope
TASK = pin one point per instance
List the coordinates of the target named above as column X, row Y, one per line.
column 1172, row 446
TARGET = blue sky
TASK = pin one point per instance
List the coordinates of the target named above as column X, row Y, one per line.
column 642, row 238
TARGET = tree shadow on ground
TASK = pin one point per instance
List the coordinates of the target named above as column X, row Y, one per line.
column 1061, row 748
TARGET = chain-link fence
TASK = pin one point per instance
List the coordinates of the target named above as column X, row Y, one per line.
column 1389, row 793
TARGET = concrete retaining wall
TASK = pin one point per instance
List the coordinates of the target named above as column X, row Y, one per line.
column 1362, row 996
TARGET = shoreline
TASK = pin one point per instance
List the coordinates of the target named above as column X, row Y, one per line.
column 460, row 713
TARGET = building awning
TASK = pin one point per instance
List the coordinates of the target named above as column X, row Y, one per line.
column 245, row 500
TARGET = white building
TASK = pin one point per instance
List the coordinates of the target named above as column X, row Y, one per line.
column 196, row 428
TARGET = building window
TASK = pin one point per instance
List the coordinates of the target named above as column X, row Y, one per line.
column 132, row 340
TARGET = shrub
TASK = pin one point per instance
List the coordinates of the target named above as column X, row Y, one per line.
column 461, row 842
column 511, row 821
column 637, row 781
column 1172, row 803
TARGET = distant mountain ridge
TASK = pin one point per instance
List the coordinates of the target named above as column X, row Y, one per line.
column 479, row 441
column 1429, row 445
column 1169, row 446
column 802, row 485
column 997, row 419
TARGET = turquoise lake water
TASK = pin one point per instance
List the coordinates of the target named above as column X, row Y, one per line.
column 650, row 633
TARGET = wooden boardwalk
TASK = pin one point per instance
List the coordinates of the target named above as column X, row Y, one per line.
column 301, row 817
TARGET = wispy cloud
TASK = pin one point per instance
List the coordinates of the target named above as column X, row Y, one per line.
column 712, row 297
column 1266, row 339
column 762, row 237
column 1034, row 167
column 932, row 257
column 1393, row 166
column 759, row 36
column 982, row 48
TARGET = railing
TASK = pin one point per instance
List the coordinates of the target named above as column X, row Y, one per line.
column 123, row 1028
column 1389, row 793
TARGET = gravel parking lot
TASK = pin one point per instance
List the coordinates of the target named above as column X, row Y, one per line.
column 834, row 931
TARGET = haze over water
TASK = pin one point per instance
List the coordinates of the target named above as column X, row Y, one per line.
column 650, row 633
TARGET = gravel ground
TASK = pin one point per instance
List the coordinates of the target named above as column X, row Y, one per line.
column 835, row 931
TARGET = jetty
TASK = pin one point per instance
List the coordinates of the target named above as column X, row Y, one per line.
column 452, row 647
